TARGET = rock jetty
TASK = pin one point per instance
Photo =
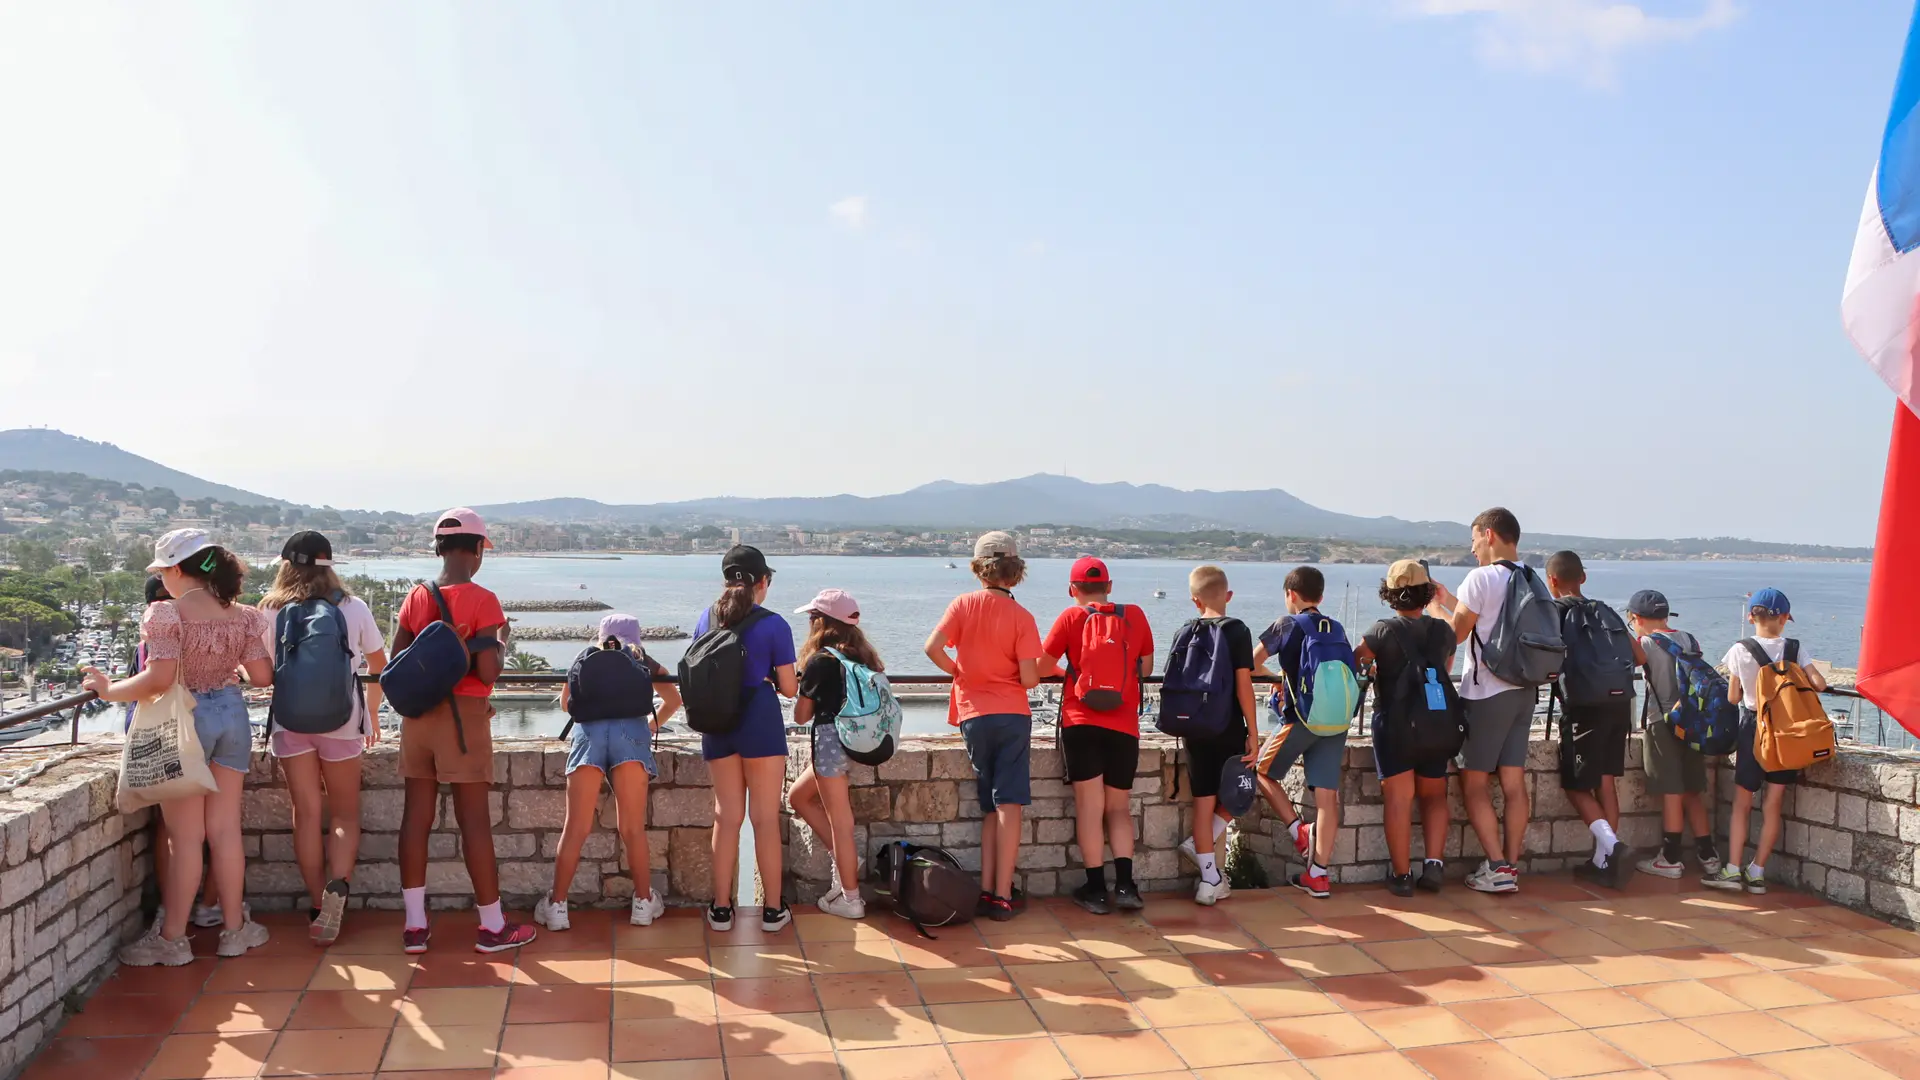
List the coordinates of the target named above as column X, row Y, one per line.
column 585, row 633
column 556, row 605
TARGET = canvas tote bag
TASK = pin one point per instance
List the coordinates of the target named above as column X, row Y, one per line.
column 163, row 759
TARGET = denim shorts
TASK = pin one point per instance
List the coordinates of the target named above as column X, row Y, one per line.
column 829, row 757
column 997, row 745
column 1323, row 757
column 220, row 722
column 608, row 744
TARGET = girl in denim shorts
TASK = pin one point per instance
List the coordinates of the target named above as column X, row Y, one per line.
column 819, row 794
column 609, row 704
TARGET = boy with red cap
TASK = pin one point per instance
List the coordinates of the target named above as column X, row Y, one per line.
column 1108, row 648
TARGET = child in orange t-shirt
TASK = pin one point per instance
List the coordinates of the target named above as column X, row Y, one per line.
column 995, row 661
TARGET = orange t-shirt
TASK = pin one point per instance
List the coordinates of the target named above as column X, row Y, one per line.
column 990, row 633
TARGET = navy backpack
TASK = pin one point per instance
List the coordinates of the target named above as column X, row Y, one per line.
column 1197, row 692
column 314, row 689
column 423, row 674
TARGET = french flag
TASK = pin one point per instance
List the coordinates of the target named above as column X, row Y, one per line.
column 1881, row 310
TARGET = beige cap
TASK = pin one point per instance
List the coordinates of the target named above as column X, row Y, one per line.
column 1406, row 572
column 995, row 543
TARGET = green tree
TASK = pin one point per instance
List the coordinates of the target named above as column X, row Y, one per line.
column 135, row 556
column 35, row 557
column 21, row 619
column 522, row 661
column 100, row 558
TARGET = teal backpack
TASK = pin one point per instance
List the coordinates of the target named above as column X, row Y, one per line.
column 869, row 722
column 1325, row 695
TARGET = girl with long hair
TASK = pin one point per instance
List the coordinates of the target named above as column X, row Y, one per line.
column 749, row 762
column 819, row 795
column 326, row 763
column 610, row 708
column 203, row 639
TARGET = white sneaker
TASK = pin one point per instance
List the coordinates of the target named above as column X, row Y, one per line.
column 1658, row 866
column 251, row 935
column 1489, row 880
column 551, row 914
column 1208, row 895
column 844, row 904
column 208, row 916
column 156, row 951
column 647, row 908
column 159, row 920
column 1188, row 853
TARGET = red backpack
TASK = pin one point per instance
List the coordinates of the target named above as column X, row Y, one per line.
column 1103, row 669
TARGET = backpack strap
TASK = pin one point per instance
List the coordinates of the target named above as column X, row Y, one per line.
column 453, row 700
column 1790, row 652
column 1759, row 654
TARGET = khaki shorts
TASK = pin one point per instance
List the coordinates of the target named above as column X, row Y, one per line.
column 430, row 747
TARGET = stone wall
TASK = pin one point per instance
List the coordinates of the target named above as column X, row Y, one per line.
column 70, row 893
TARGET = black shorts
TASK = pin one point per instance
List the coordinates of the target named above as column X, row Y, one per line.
column 1205, row 759
column 1390, row 759
column 1096, row 753
column 1747, row 773
column 1593, row 743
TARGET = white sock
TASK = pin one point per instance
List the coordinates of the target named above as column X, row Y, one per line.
column 1755, row 870
column 1316, row 870
column 1208, row 873
column 491, row 920
column 416, row 901
column 1294, row 830
column 1603, row 841
column 1220, row 826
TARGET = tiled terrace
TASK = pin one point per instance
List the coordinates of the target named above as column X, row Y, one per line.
column 1665, row 980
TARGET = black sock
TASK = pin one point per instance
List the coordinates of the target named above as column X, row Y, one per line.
column 1702, row 844
column 1670, row 846
column 1097, row 878
column 1122, row 873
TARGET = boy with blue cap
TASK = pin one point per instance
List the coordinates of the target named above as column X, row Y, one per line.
column 1769, row 612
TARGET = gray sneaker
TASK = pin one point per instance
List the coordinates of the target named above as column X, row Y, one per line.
column 1756, row 883
column 251, row 935
column 156, row 951
column 1727, row 877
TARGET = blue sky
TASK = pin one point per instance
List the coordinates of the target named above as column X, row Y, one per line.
column 1407, row 258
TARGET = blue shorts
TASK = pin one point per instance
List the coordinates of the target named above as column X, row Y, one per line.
column 608, row 744
column 1747, row 772
column 998, row 745
column 762, row 732
column 1322, row 756
column 829, row 757
column 220, row 722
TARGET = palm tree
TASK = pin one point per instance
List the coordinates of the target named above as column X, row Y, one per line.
column 522, row 661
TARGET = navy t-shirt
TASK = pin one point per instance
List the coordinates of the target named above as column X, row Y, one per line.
column 769, row 644
column 1283, row 640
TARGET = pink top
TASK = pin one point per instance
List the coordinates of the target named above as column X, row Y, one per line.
column 213, row 651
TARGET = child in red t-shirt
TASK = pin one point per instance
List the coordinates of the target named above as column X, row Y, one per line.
column 453, row 742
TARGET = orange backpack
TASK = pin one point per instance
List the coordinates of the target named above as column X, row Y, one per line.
column 1791, row 729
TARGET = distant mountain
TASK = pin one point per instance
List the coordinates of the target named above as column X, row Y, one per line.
column 46, row 450
column 1030, row 499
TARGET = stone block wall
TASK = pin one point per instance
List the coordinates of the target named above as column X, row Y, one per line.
column 70, row 892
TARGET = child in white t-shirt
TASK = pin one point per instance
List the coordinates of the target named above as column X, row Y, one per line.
column 1770, row 612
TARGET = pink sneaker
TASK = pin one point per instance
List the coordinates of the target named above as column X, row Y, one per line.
column 511, row 936
column 414, row 940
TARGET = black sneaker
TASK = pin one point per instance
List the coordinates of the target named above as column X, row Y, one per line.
column 1620, row 866
column 983, row 907
column 1596, row 875
column 719, row 918
column 1400, row 884
column 1433, row 874
column 1018, row 899
column 773, row 920
column 1092, row 899
column 1127, row 898
column 1000, row 910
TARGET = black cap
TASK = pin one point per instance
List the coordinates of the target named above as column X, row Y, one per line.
column 308, row 548
column 1649, row 604
column 743, row 565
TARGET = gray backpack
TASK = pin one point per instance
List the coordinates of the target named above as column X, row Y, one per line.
column 1523, row 646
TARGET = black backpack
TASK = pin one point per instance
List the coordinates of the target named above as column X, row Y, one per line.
column 1600, row 665
column 1422, row 707
column 924, row 885
column 607, row 684
column 714, row 681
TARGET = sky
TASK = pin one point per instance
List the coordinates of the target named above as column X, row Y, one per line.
column 1408, row 257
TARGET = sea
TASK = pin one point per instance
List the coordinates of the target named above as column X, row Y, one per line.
column 902, row 598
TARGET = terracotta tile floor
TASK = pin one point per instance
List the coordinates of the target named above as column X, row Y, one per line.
column 1664, row 980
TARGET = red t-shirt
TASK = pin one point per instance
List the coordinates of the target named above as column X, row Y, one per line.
column 474, row 609
column 1064, row 640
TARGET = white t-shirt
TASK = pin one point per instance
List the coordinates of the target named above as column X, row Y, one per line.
column 363, row 637
column 1741, row 663
column 1484, row 593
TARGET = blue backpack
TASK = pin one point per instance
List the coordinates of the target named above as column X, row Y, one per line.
column 1197, row 693
column 608, row 684
column 1325, row 694
column 314, row 691
column 1703, row 716
column 423, row 674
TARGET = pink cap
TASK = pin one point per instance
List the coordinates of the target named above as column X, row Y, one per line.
column 460, row 521
column 835, row 604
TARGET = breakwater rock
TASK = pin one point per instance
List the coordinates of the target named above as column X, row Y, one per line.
column 587, row 604
column 584, row 633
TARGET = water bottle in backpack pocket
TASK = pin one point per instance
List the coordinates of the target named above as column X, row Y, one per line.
column 869, row 721
column 314, row 690
column 1422, row 708
column 1523, row 646
column 1600, row 664
column 714, row 681
column 1326, row 691
column 1197, row 692
column 1705, row 720
column 924, row 885
column 1101, row 672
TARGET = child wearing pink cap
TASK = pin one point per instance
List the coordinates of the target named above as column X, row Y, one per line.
column 819, row 794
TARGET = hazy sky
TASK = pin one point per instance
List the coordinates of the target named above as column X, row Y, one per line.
column 1406, row 257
